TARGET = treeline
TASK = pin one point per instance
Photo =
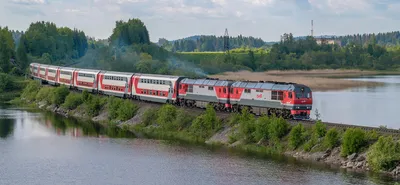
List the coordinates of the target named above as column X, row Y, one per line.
column 51, row 44
column 384, row 39
column 303, row 54
column 7, row 50
column 130, row 50
column 210, row 43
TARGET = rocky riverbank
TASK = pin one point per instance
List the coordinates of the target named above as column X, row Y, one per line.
column 355, row 162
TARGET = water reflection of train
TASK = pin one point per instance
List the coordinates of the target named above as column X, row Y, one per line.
column 289, row 100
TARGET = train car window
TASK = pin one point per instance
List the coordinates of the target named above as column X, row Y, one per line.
column 190, row 89
column 247, row 90
column 290, row 95
column 141, row 91
column 237, row 91
column 231, row 90
column 259, row 90
column 274, row 95
column 210, row 88
column 224, row 90
column 151, row 92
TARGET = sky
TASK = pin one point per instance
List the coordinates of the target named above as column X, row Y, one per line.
column 175, row 19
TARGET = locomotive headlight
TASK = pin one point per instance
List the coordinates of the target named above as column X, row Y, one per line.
column 298, row 107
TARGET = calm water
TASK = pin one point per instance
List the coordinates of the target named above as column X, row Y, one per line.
column 370, row 106
column 39, row 148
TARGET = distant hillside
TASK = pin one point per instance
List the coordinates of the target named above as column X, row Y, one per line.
column 211, row 43
column 383, row 39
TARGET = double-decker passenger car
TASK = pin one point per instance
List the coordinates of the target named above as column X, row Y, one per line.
column 115, row 83
column 66, row 76
column 86, row 79
column 156, row 88
column 52, row 74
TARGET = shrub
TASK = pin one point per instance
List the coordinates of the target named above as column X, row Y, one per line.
column 384, row 154
column 331, row 138
column 182, row 119
column 278, row 127
column 44, row 94
column 319, row 129
column 204, row 125
column 6, row 82
column 353, row 140
column 296, row 136
column 72, row 101
column 85, row 96
column 166, row 116
column 93, row 105
column 114, row 104
column 59, row 95
column 30, row 91
column 246, row 125
column 261, row 130
column 126, row 110
column 149, row 116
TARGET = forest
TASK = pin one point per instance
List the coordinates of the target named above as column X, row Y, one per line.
column 210, row 43
column 129, row 49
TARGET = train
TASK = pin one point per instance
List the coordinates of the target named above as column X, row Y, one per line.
column 288, row 100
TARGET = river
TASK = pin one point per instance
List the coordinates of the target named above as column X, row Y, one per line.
column 367, row 106
column 46, row 149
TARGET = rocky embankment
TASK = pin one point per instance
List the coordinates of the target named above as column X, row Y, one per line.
column 354, row 162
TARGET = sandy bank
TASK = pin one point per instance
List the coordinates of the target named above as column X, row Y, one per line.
column 317, row 80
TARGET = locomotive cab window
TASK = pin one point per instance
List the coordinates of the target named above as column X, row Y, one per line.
column 290, row 95
column 247, row 90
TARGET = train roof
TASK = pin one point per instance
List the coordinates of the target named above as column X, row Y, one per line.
column 206, row 82
column 89, row 70
column 171, row 77
column 67, row 68
column 117, row 73
column 265, row 85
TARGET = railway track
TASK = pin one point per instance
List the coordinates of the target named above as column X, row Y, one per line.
column 306, row 123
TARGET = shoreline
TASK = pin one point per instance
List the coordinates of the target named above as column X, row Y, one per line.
column 239, row 131
column 220, row 140
column 317, row 80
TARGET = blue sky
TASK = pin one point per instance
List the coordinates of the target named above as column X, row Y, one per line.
column 173, row 19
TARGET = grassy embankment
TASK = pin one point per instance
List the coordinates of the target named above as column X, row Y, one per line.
column 244, row 132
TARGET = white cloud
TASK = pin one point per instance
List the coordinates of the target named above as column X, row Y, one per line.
column 342, row 6
column 260, row 2
column 30, row 1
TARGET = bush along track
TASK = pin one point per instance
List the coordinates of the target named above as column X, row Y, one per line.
column 350, row 148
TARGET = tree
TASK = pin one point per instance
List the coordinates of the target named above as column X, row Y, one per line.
column 131, row 32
